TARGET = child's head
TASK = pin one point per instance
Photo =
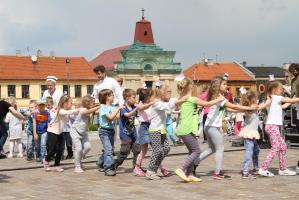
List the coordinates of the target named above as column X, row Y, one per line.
column 41, row 104
column 184, row 86
column 249, row 98
column 49, row 103
column 275, row 88
column 32, row 105
column 129, row 96
column 12, row 101
column 144, row 95
column 217, row 86
column 65, row 103
column 77, row 103
column 163, row 93
column 87, row 102
column 106, row 96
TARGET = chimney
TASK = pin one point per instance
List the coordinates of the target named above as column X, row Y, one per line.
column 18, row 52
column 39, row 53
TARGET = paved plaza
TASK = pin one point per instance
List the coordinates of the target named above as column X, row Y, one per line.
column 20, row 179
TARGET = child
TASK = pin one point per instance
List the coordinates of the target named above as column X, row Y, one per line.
column 272, row 128
column 239, row 120
column 55, row 129
column 50, row 106
column 188, row 126
column 40, row 121
column 143, row 138
column 107, row 116
column 127, row 130
column 29, row 130
column 218, row 86
column 15, row 130
column 157, row 130
column 79, row 131
column 251, row 135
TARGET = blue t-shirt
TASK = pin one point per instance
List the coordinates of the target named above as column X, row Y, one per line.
column 126, row 124
column 104, row 122
column 42, row 121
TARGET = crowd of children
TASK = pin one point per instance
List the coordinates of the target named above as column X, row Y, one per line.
column 49, row 128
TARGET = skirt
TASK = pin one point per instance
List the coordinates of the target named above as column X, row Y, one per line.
column 249, row 134
column 143, row 134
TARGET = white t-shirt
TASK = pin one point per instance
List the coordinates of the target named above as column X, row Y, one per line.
column 112, row 84
column 214, row 117
column 56, row 96
column 275, row 111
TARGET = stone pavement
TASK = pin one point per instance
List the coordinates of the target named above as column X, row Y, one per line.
column 20, row 179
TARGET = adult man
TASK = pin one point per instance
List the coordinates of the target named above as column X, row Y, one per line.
column 52, row 91
column 106, row 82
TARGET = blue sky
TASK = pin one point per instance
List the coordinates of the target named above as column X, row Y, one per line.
column 255, row 31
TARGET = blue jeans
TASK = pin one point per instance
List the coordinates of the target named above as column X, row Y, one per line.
column 30, row 144
column 252, row 151
column 41, row 146
column 106, row 160
column 3, row 134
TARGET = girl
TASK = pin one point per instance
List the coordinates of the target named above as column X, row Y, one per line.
column 79, row 130
column 250, row 134
column 15, row 130
column 213, row 124
column 239, row 120
column 55, row 129
column 143, row 137
column 272, row 128
column 188, row 126
column 157, row 130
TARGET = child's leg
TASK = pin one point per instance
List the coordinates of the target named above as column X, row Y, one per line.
column 249, row 147
column 194, row 152
column 43, row 145
column 210, row 150
column 255, row 157
column 282, row 153
column 141, row 155
column 68, row 141
column 157, row 151
column 77, row 151
column 52, row 140
column 86, row 145
column 275, row 140
column 20, row 147
column 107, row 138
column 11, row 148
column 165, row 146
column 30, row 145
column 125, row 149
column 59, row 152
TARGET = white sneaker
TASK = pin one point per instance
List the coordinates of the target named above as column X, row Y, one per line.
column 20, row 155
column 286, row 172
column 78, row 170
column 9, row 156
column 265, row 173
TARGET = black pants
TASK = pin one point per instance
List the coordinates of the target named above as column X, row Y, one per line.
column 204, row 118
column 3, row 134
column 67, row 141
column 53, row 141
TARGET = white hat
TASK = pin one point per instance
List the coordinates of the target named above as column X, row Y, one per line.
column 179, row 77
column 242, row 90
column 144, row 86
column 158, row 83
column 52, row 78
column 271, row 77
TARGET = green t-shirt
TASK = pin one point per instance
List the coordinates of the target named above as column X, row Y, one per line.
column 188, row 122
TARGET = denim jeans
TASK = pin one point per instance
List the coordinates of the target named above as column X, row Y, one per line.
column 106, row 160
column 3, row 134
column 30, row 144
column 41, row 146
column 252, row 151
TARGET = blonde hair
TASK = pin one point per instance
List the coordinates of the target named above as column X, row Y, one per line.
column 128, row 93
column 159, row 91
column 12, row 100
column 272, row 85
column 64, row 99
column 183, row 86
column 87, row 101
column 214, row 88
column 246, row 100
column 103, row 94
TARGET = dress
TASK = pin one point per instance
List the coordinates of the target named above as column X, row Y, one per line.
column 15, row 126
column 250, row 130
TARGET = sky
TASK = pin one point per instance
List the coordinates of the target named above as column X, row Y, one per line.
column 260, row 32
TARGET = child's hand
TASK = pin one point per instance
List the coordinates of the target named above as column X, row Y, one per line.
column 254, row 107
column 35, row 137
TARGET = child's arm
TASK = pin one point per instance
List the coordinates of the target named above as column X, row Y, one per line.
column 89, row 111
column 290, row 100
column 182, row 100
column 209, row 103
column 35, row 136
column 285, row 105
column 232, row 110
column 130, row 114
column 16, row 113
column 239, row 107
column 68, row 112
column 265, row 104
column 141, row 107
column 113, row 115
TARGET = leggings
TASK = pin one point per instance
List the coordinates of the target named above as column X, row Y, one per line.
column 160, row 148
column 194, row 151
column 278, row 146
column 52, row 142
column 81, row 147
column 215, row 141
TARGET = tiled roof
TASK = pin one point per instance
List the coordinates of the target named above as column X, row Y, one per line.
column 22, row 68
column 108, row 58
column 206, row 72
column 264, row 72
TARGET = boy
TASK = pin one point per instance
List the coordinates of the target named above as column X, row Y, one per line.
column 40, row 120
column 127, row 130
column 29, row 130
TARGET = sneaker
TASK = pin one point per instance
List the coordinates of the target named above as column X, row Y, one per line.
column 2, row 156
column 180, row 173
column 110, row 172
column 165, row 172
column 265, row 173
column 286, row 172
column 217, row 177
column 10, row 156
column 255, row 171
column 221, row 173
column 248, row 175
column 297, row 170
column 194, row 178
column 46, row 166
column 20, row 155
column 152, row 175
column 58, row 169
column 102, row 169
column 78, row 170
column 138, row 172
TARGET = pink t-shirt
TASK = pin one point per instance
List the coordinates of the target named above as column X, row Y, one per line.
column 144, row 116
column 204, row 96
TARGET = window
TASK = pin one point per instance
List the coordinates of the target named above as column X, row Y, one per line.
column 148, row 67
column 25, row 91
column 11, row 90
column 43, row 88
column 77, row 90
column 89, row 89
column 149, row 84
column 145, row 33
column 66, row 89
